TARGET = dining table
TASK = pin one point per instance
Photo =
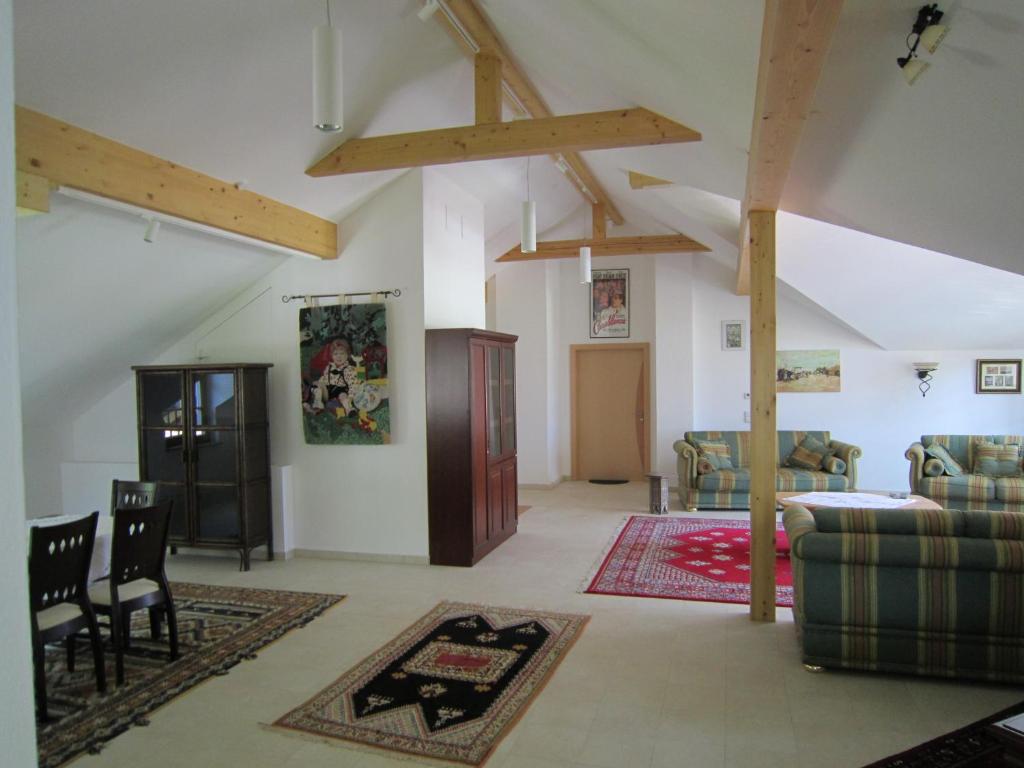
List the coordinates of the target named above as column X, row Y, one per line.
column 99, row 567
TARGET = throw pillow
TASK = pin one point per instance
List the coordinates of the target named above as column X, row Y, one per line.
column 717, row 453
column 933, row 468
column 950, row 465
column 997, row 460
column 704, row 466
column 834, row 465
column 809, row 454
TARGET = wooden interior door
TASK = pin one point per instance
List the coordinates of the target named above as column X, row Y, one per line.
column 610, row 411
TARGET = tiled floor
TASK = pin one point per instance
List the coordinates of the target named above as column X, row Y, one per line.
column 657, row 683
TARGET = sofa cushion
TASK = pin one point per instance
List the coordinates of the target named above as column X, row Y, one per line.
column 933, row 468
column 905, row 522
column 961, row 447
column 725, row 480
column 994, row 525
column 834, row 465
column 717, row 453
column 960, row 488
column 996, row 460
column 738, row 442
column 789, row 479
column 940, row 452
column 1010, row 489
column 809, row 454
column 704, row 465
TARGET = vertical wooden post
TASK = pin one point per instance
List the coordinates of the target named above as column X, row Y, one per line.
column 599, row 230
column 763, row 437
column 487, row 91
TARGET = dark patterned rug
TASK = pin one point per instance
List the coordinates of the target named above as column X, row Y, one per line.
column 448, row 687
column 217, row 628
column 972, row 746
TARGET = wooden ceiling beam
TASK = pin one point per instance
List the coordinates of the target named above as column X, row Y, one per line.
column 68, row 156
column 598, row 230
column 642, row 180
column 520, row 92
column 794, row 42
column 33, row 194
column 610, row 246
column 491, row 141
column 487, row 90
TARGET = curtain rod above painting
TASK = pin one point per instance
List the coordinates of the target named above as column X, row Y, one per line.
column 396, row 292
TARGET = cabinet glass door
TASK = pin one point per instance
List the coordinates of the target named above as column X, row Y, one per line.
column 214, row 449
column 494, row 444
column 163, row 426
column 508, row 400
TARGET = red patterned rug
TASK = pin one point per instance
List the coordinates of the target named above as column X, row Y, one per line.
column 686, row 558
column 448, row 687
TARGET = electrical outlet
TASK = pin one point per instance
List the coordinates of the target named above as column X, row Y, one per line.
column 746, row 417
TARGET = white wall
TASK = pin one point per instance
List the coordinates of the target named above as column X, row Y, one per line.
column 525, row 310
column 358, row 499
column 453, row 254
column 879, row 407
column 674, row 371
column 17, row 723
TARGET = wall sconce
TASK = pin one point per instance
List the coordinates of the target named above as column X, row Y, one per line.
column 924, row 373
column 926, row 31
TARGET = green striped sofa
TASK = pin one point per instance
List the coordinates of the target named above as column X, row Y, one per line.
column 928, row 592
column 730, row 488
column 966, row 491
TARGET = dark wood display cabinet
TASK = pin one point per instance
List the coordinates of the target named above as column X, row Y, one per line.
column 204, row 436
column 471, row 443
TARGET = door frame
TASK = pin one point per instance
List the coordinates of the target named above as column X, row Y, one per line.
column 574, row 351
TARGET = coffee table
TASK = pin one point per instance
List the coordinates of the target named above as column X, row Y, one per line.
column 916, row 502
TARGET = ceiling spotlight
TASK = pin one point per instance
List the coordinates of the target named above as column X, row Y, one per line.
column 152, row 227
column 927, row 32
column 429, row 8
column 328, row 102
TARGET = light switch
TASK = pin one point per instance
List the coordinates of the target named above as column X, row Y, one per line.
column 746, row 417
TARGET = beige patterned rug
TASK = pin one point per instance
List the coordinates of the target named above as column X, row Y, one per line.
column 448, row 687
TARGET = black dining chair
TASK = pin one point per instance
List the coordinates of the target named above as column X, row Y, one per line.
column 137, row 578
column 132, row 494
column 58, row 577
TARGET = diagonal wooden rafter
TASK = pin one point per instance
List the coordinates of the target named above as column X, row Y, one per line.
column 642, row 180
column 68, row 156
column 471, row 30
column 491, row 141
column 609, row 246
column 794, row 42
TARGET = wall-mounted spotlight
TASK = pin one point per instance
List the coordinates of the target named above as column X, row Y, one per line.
column 924, row 373
column 430, row 7
column 927, row 32
column 152, row 227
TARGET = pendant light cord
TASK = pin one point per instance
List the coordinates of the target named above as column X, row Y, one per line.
column 527, row 177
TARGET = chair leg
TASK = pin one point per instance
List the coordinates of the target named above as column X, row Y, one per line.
column 172, row 627
column 39, row 662
column 126, row 629
column 97, row 652
column 71, row 652
column 154, row 622
column 117, row 638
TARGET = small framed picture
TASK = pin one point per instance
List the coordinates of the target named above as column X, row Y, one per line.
column 998, row 377
column 733, row 335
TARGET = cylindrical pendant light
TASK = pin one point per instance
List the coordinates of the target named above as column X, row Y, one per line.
column 328, row 101
column 584, row 264
column 529, row 233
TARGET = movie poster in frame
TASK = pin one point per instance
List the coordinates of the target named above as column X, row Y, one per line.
column 609, row 304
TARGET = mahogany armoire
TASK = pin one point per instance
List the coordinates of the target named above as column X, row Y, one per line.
column 471, row 443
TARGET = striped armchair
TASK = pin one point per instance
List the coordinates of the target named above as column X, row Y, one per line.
column 928, row 592
column 969, row 490
column 730, row 488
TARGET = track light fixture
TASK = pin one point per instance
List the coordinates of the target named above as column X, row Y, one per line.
column 328, row 101
column 927, row 32
column 430, row 7
column 924, row 373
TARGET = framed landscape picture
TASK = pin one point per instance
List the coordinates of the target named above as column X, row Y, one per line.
column 998, row 377
column 733, row 335
column 807, row 370
column 609, row 304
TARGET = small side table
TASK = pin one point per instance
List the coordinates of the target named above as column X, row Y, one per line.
column 659, row 494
